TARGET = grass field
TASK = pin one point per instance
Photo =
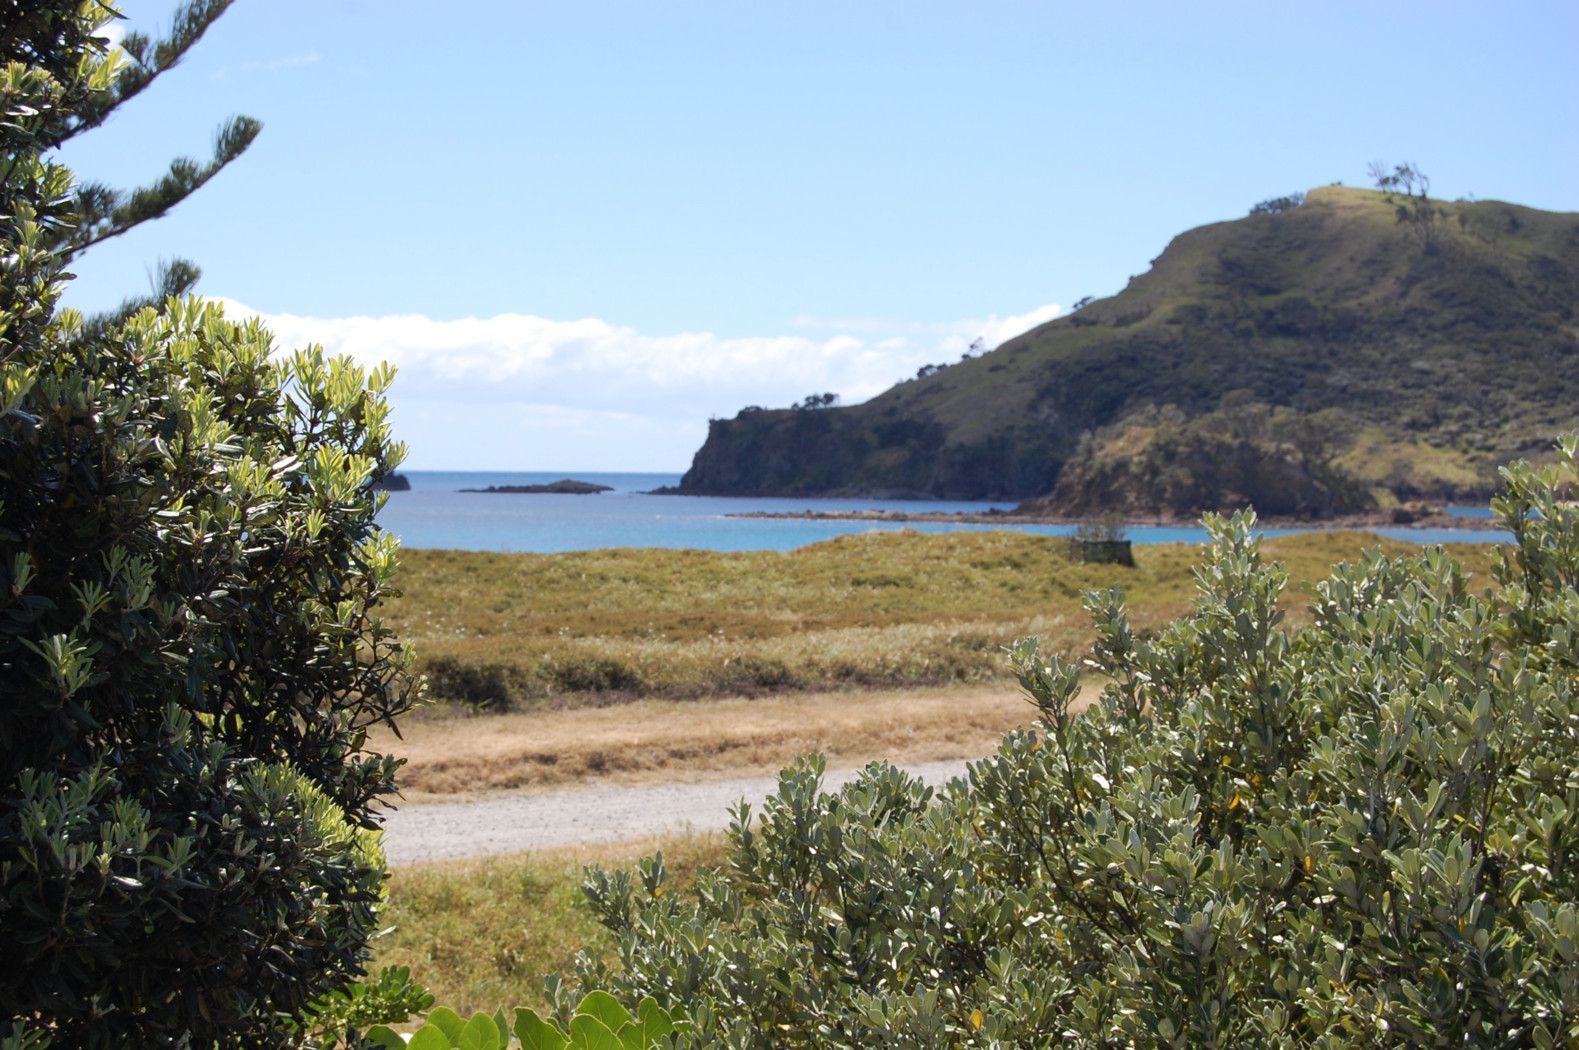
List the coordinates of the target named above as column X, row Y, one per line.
column 481, row 934
column 888, row 610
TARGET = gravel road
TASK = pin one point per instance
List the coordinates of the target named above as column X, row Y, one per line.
column 596, row 813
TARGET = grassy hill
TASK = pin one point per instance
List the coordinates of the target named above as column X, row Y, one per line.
column 1424, row 368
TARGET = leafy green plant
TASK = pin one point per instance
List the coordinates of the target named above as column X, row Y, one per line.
column 189, row 638
column 599, row 1022
column 341, row 1017
column 1358, row 833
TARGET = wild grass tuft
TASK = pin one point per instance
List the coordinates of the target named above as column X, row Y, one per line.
column 482, row 934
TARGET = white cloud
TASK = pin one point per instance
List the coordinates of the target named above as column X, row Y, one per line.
column 998, row 330
column 270, row 65
column 992, row 330
column 621, row 398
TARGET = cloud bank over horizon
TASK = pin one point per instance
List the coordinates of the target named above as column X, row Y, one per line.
column 521, row 392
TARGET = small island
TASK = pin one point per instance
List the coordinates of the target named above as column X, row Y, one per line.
column 564, row 486
column 392, row 483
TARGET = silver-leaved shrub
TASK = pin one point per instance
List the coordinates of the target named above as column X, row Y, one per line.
column 1360, row 833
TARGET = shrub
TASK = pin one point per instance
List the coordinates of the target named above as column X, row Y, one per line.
column 340, row 1018
column 1101, row 540
column 189, row 643
column 1356, row 834
column 188, row 579
column 1278, row 205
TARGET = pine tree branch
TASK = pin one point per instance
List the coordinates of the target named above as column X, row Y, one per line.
column 107, row 213
column 148, row 59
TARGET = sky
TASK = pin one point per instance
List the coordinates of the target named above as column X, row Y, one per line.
column 580, row 230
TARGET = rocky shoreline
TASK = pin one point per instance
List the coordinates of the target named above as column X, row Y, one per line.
column 1418, row 518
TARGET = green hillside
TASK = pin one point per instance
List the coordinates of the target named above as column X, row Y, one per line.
column 1422, row 368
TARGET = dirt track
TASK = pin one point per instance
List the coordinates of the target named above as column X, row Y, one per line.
column 668, row 741
column 592, row 813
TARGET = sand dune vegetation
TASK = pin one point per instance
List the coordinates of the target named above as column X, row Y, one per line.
column 543, row 631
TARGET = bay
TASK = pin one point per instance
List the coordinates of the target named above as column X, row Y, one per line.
column 434, row 514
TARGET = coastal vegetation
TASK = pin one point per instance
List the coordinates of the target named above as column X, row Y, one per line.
column 522, row 631
column 1352, row 833
column 1337, row 815
column 1161, row 463
column 1458, row 317
column 189, row 642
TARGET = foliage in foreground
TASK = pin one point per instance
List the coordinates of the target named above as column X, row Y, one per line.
column 190, row 648
column 1360, row 833
column 599, row 1022
column 340, row 1018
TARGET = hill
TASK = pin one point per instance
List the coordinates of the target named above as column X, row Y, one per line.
column 1365, row 360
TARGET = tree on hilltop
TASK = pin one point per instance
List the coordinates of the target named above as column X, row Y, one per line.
column 1408, row 189
column 815, row 401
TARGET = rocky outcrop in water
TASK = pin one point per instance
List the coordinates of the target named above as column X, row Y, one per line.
column 564, row 487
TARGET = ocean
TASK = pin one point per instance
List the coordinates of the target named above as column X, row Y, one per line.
column 434, row 514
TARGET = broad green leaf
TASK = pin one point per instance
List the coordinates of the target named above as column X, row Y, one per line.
column 537, row 1034
column 605, row 1008
column 480, row 1033
column 652, row 1020
column 589, row 1033
column 449, row 1022
column 430, row 1037
column 386, row 1037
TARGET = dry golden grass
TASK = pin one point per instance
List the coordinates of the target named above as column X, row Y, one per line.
column 883, row 609
column 481, row 934
column 653, row 740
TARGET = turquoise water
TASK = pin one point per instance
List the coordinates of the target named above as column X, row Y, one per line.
column 434, row 515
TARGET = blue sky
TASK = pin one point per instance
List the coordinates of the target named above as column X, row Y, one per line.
column 582, row 229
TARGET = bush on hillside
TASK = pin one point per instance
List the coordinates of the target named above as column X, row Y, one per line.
column 1357, row 834
column 1278, row 205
